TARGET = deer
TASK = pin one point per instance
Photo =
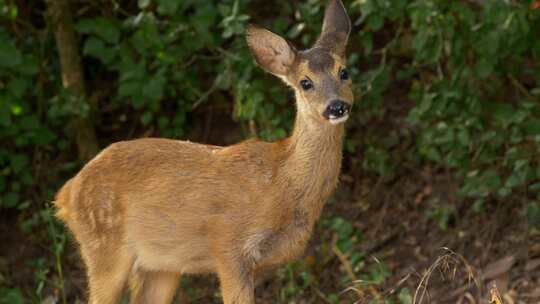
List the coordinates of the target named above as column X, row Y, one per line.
column 146, row 211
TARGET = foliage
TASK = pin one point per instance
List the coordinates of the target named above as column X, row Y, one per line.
column 474, row 78
column 455, row 85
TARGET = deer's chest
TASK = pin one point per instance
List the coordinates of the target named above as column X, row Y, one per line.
column 277, row 248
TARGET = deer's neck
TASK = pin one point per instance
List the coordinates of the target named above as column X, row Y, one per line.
column 312, row 164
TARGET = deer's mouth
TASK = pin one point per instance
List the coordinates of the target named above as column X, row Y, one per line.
column 338, row 120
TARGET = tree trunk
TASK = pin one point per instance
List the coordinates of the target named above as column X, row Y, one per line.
column 72, row 74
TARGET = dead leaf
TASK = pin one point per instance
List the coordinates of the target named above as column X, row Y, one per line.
column 532, row 265
column 533, row 294
column 499, row 267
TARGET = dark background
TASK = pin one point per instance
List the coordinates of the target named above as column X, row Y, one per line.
column 441, row 172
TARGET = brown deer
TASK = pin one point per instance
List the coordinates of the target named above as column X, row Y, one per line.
column 146, row 211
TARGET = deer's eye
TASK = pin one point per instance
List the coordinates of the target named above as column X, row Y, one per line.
column 306, row 84
column 344, row 74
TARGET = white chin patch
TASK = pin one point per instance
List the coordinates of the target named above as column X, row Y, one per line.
column 333, row 120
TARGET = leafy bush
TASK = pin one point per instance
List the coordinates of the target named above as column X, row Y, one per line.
column 473, row 74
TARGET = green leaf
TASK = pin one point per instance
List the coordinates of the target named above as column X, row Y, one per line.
column 138, row 101
column 431, row 153
column 404, row 296
column 95, row 47
column 154, row 88
column 484, row 67
column 102, row 27
column 367, row 7
column 463, row 137
column 27, row 178
column 375, row 22
column 504, row 192
column 129, row 88
column 29, row 66
column 163, row 122
column 478, row 206
column 533, row 213
column 10, row 56
column 18, row 85
column 11, row 296
column 18, row 162
column 5, row 116
column 224, row 81
column 518, row 177
column 535, row 186
column 503, row 113
column 532, row 127
column 366, row 39
column 10, row 200
column 44, row 136
column 143, row 3
column 491, row 180
column 30, row 122
column 168, row 7
column 420, row 40
column 147, row 118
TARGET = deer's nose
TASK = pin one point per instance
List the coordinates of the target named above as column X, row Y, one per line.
column 337, row 109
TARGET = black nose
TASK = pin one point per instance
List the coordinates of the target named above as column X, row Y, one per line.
column 337, row 109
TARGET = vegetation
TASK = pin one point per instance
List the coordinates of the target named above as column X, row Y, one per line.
column 451, row 86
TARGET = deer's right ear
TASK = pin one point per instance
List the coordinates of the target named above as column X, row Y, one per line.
column 272, row 52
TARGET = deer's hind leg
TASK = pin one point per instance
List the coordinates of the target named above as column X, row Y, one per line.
column 107, row 270
column 152, row 287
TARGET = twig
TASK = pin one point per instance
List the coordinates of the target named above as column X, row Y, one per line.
column 321, row 295
column 204, row 96
column 348, row 267
column 520, row 86
column 345, row 262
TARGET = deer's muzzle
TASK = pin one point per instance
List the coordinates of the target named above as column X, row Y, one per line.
column 337, row 111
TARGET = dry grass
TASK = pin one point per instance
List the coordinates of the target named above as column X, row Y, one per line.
column 449, row 266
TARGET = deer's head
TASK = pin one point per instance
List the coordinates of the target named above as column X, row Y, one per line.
column 318, row 75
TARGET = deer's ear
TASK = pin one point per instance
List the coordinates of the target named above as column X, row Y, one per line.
column 272, row 52
column 336, row 28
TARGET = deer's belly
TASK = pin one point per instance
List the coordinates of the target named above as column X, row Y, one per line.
column 161, row 243
column 192, row 258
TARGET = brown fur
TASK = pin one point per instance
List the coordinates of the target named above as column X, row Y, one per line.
column 146, row 211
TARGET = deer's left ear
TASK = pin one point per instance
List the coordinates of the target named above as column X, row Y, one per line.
column 336, row 28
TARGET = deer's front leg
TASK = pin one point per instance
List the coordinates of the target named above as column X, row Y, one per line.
column 236, row 278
